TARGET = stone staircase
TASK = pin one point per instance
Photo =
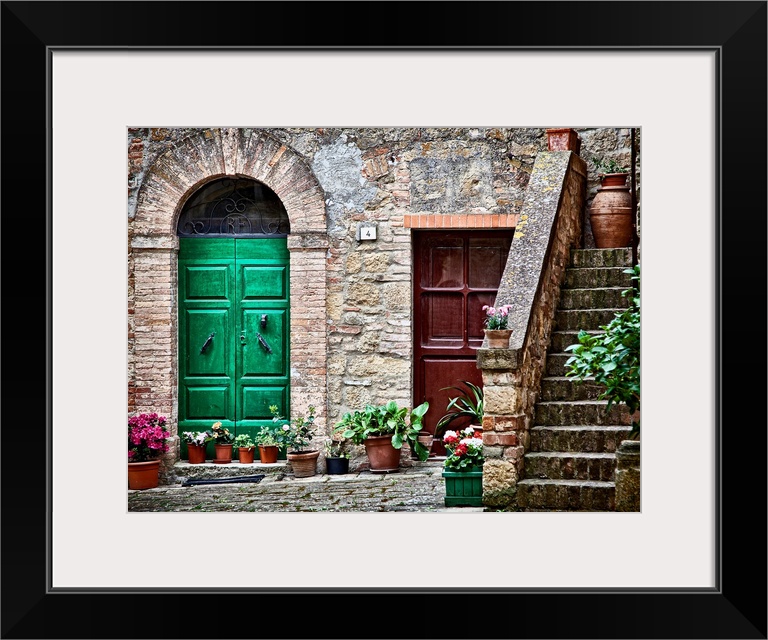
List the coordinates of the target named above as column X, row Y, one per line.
column 571, row 462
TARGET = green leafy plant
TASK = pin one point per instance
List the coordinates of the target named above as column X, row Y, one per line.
column 608, row 165
column 271, row 437
column 468, row 404
column 612, row 357
column 384, row 420
column 296, row 434
column 336, row 448
column 244, row 441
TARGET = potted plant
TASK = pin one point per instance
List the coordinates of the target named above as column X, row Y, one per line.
column 610, row 213
column 223, row 440
column 612, row 357
column 298, row 435
column 147, row 441
column 497, row 331
column 467, row 405
column 196, row 442
column 463, row 469
column 383, row 430
column 269, row 441
column 246, row 448
column 336, row 457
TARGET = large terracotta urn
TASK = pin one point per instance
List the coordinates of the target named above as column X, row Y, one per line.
column 610, row 214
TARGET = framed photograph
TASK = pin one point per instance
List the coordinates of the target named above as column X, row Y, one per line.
column 690, row 76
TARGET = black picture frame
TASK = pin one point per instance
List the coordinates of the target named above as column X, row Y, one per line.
column 736, row 30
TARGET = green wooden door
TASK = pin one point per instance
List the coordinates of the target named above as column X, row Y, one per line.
column 233, row 332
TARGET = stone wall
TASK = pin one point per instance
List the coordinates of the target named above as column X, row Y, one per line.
column 550, row 225
column 350, row 300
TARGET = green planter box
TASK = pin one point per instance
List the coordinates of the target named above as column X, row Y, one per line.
column 464, row 488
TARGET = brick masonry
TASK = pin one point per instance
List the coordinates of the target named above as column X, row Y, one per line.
column 351, row 333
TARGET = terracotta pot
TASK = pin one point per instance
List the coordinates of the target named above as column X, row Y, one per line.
column 382, row 456
column 143, row 475
column 610, row 214
column 268, row 454
column 246, row 454
column 426, row 440
column 223, row 453
column 498, row 338
column 196, row 453
column 304, row 464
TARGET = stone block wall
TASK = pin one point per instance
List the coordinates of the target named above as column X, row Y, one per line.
column 351, row 300
column 550, row 225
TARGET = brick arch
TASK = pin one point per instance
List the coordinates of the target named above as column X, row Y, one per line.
column 203, row 156
column 216, row 153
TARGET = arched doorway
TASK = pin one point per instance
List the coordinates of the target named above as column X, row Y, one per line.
column 233, row 307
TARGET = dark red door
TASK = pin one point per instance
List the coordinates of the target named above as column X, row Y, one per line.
column 456, row 273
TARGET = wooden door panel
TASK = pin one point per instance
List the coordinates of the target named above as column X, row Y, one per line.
column 207, row 342
column 263, row 362
column 456, row 273
column 226, row 287
column 441, row 319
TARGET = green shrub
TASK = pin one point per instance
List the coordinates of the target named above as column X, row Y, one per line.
column 612, row 357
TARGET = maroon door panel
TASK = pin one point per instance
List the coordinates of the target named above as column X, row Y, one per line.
column 456, row 273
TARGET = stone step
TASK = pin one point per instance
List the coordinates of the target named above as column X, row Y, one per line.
column 566, row 495
column 421, row 490
column 568, row 389
column 561, row 339
column 596, row 277
column 555, row 365
column 587, row 319
column 570, row 465
column 601, row 257
column 182, row 470
column 610, row 297
column 586, row 412
column 578, row 438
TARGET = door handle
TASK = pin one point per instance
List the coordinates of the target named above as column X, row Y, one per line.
column 207, row 342
column 263, row 343
column 242, row 338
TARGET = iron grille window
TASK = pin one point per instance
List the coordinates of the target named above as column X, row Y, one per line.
column 234, row 207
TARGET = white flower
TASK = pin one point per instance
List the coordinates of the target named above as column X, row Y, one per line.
column 286, row 427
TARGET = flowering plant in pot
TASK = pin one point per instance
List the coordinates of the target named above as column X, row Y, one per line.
column 196, row 441
column 463, row 469
column 298, row 434
column 246, row 448
column 148, row 437
column 223, row 440
column 497, row 329
column 465, row 451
